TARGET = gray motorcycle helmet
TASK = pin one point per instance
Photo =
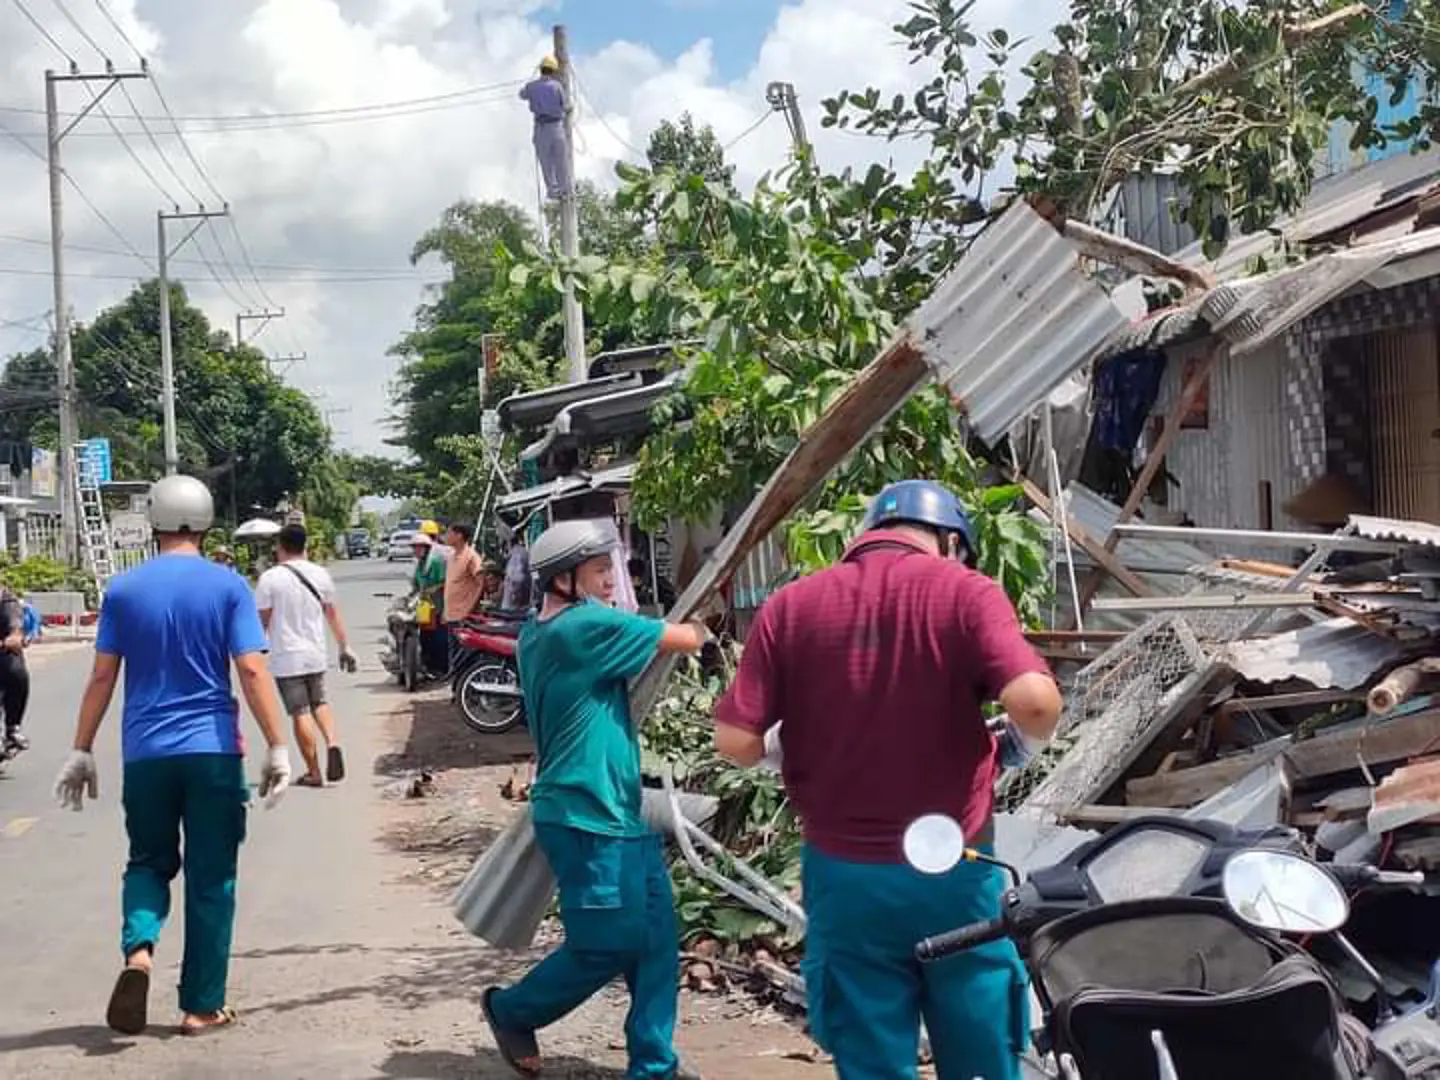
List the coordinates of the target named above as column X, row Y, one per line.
column 567, row 544
column 180, row 504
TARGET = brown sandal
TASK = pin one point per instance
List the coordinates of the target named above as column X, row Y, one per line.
column 223, row 1019
column 127, row 1012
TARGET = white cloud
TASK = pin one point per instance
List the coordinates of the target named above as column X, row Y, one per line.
column 357, row 193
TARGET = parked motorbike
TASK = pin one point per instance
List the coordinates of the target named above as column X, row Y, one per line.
column 1160, row 950
column 485, row 681
column 404, row 658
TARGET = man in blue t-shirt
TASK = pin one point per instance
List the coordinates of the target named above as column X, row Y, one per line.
column 176, row 623
column 615, row 900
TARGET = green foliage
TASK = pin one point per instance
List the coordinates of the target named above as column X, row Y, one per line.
column 232, row 410
column 682, row 148
column 1236, row 100
column 41, row 574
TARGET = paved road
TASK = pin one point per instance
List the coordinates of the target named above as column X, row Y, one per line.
column 332, row 953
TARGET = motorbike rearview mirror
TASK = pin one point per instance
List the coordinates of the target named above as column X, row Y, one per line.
column 934, row 844
column 1278, row 890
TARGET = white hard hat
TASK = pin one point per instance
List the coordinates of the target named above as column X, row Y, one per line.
column 179, row 504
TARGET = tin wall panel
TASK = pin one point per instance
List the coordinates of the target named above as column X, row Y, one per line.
column 1404, row 416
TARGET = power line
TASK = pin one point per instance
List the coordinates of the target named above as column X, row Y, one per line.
column 159, row 151
column 295, row 267
column 222, row 122
column 110, row 18
column 759, row 122
column 60, row 4
column 316, row 279
column 590, row 105
column 43, row 33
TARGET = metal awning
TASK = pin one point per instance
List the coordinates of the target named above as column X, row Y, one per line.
column 614, row 415
column 615, row 478
column 539, row 407
column 637, row 358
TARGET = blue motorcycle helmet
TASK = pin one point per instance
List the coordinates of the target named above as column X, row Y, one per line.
column 926, row 504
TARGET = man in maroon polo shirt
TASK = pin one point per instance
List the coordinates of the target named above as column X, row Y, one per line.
column 879, row 667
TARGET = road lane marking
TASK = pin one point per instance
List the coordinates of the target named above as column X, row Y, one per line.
column 17, row 827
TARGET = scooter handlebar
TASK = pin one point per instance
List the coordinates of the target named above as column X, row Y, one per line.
column 1361, row 876
column 966, row 937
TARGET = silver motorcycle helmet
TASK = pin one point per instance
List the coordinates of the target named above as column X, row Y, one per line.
column 565, row 546
column 180, row 504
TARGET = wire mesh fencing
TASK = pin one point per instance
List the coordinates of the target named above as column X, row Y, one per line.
column 1118, row 697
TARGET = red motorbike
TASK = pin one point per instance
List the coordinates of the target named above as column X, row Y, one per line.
column 485, row 681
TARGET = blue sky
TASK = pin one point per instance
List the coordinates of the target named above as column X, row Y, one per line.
column 735, row 27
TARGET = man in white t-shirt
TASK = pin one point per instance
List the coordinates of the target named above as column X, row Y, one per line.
column 296, row 599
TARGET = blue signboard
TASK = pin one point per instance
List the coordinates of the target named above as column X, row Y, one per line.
column 94, row 460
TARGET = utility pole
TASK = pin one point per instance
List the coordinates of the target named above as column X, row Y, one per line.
column 289, row 360
column 337, row 410
column 781, row 96
column 569, row 220
column 262, row 317
column 167, row 359
column 64, row 362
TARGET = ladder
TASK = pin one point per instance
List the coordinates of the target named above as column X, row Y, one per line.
column 98, row 552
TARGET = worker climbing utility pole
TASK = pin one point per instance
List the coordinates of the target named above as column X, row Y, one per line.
column 551, row 97
column 569, row 219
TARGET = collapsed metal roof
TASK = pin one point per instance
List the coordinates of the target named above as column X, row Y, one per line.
column 1015, row 323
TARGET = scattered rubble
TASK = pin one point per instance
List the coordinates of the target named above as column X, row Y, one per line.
column 1319, row 681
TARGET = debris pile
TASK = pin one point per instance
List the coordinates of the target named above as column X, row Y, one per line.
column 1302, row 692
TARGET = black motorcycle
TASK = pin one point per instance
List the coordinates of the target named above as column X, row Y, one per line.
column 1160, row 950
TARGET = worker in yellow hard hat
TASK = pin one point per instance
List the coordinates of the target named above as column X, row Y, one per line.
column 548, row 101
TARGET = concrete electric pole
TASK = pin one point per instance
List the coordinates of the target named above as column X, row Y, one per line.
column 781, row 96
column 167, row 359
column 64, row 362
column 569, row 220
column 262, row 317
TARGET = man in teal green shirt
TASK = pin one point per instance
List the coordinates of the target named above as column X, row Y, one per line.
column 615, row 900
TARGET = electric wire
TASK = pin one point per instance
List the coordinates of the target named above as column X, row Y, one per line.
column 754, row 127
column 30, row 17
column 65, row 12
column 589, row 104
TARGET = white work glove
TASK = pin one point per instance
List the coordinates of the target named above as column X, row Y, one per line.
column 773, row 757
column 77, row 779
column 348, row 662
column 275, row 776
column 1016, row 749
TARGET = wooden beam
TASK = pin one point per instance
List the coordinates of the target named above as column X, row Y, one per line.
column 1326, row 754
column 1092, row 547
column 1098, row 814
column 1189, row 394
column 1106, row 247
column 1288, row 701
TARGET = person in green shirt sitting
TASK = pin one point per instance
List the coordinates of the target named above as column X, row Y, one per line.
column 575, row 658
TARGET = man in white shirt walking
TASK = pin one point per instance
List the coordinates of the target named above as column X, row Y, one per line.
column 296, row 599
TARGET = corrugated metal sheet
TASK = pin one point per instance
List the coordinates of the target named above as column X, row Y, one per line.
column 1147, row 202
column 1334, row 654
column 1262, row 474
column 1420, row 533
column 1331, row 205
column 1404, row 410
column 1016, row 320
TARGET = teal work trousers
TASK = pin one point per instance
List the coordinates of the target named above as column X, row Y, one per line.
column 867, row 993
column 185, row 811
column 619, row 918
